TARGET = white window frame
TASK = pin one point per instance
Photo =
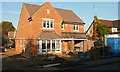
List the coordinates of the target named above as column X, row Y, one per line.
column 48, row 11
column 63, row 26
column 76, row 25
column 114, row 29
column 56, row 49
column 46, row 20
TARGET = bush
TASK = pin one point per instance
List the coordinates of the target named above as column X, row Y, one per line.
column 81, row 54
column 70, row 53
column 100, row 51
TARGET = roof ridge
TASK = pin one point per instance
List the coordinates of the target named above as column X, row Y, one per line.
column 105, row 20
column 31, row 4
column 63, row 13
column 63, row 9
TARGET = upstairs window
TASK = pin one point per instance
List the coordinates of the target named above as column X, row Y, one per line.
column 114, row 29
column 76, row 27
column 90, row 31
column 62, row 26
column 48, row 24
column 48, row 11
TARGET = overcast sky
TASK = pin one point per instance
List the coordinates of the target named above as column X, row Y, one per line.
column 86, row 11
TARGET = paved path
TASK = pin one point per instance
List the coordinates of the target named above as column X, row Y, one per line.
column 9, row 52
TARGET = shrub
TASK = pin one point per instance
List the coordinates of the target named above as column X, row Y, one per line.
column 70, row 53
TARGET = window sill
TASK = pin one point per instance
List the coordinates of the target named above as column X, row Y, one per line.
column 75, row 30
column 47, row 28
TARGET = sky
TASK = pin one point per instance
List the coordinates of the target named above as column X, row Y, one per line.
column 10, row 11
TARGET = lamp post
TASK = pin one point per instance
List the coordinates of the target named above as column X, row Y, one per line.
column 102, row 46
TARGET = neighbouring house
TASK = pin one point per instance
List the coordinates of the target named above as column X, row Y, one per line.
column 116, row 23
column 11, row 34
column 114, row 26
column 49, row 30
column 11, row 37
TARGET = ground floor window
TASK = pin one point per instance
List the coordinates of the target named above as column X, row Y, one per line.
column 50, row 46
column 43, row 46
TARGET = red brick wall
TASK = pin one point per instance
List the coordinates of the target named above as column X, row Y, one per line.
column 70, row 28
column 42, row 13
column 30, row 30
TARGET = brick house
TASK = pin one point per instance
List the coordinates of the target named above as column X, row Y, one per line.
column 52, row 30
column 114, row 26
column 11, row 37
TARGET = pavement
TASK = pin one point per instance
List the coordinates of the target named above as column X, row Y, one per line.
column 9, row 52
column 81, row 65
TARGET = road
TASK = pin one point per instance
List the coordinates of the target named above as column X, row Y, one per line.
column 109, row 66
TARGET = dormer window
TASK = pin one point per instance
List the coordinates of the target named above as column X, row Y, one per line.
column 75, row 27
column 48, row 24
column 48, row 11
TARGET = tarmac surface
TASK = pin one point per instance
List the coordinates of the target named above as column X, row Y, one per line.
column 103, row 64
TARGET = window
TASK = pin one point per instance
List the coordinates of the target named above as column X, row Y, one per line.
column 62, row 26
column 75, row 26
column 44, row 23
column 50, row 46
column 57, row 45
column 48, row 24
column 114, row 29
column 48, row 11
column 90, row 31
column 44, row 46
column 53, row 46
column 51, row 24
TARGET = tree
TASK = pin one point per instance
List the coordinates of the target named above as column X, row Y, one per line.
column 5, row 28
column 102, row 30
column 99, row 29
column 95, row 24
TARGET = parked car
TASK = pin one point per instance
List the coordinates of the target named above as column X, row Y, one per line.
column 2, row 50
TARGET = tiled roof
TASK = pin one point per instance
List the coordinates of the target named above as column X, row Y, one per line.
column 31, row 8
column 48, row 35
column 67, row 15
column 116, row 23
column 73, row 35
column 106, row 22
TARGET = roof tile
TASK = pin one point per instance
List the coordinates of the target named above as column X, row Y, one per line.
column 67, row 15
column 48, row 35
